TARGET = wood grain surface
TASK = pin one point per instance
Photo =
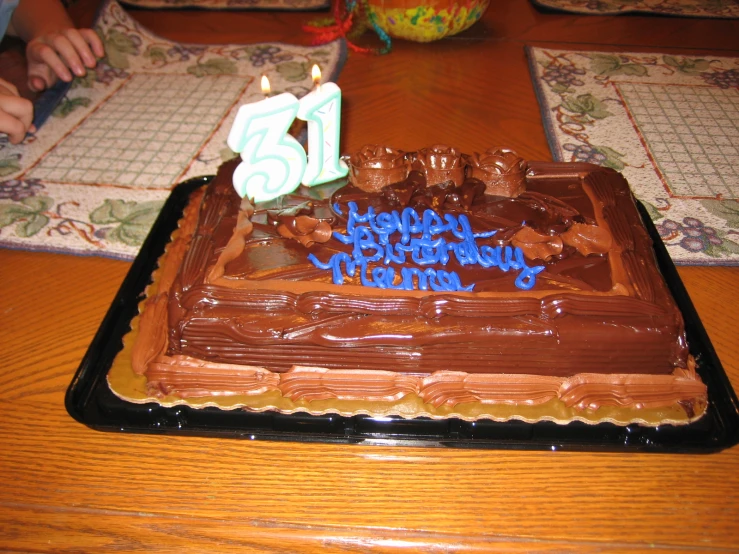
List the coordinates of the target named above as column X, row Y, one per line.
column 66, row 488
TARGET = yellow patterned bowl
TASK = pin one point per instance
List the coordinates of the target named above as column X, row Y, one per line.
column 426, row 20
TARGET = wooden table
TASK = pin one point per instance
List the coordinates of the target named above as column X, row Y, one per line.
column 65, row 487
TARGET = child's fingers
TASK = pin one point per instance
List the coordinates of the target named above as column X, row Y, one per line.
column 65, row 49
column 62, row 55
column 16, row 116
column 37, row 83
column 12, row 127
column 41, row 54
column 81, row 46
column 10, row 87
column 92, row 38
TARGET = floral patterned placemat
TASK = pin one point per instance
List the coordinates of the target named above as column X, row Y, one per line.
column 295, row 5
column 685, row 8
column 152, row 114
column 669, row 123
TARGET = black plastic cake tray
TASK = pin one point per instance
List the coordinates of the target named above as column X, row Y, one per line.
column 90, row 401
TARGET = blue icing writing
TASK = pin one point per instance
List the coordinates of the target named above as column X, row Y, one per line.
column 412, row 278
column 369, row 235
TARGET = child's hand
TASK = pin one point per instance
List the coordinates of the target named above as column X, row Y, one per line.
column 53, row 55
column 16, row 113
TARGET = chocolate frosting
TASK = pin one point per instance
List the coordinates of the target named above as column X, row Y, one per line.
column 375, row 166
column 600, row 317
column 501, row 169
column 440, row 164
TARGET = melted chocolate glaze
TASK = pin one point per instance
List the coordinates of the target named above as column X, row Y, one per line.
column 251, row 297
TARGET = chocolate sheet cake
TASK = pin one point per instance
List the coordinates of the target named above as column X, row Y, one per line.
column 432, row 283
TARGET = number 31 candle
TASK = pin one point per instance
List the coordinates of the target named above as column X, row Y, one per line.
column 273, row 162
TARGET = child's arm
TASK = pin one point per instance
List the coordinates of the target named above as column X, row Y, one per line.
column 16, row 113
column 54, row 46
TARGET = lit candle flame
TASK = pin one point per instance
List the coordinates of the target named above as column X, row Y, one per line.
column 265, row 86
column 316, row 74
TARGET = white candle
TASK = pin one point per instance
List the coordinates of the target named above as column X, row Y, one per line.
column 321, row 109
column 273, row 162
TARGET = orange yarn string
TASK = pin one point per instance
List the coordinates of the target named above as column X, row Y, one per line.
column 343, row 22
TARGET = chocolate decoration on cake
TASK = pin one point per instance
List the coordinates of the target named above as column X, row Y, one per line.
column 241, row 307
column 375, row 167
column 305, row 229
column 440, row 164
column 537, row 245
column 502, row 171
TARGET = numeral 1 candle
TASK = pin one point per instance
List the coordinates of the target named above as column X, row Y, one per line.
column 321, row 108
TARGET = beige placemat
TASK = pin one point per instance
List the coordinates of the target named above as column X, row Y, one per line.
column 669, row 123
column 685, row 8
column 295, row 5
column 153, row 114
